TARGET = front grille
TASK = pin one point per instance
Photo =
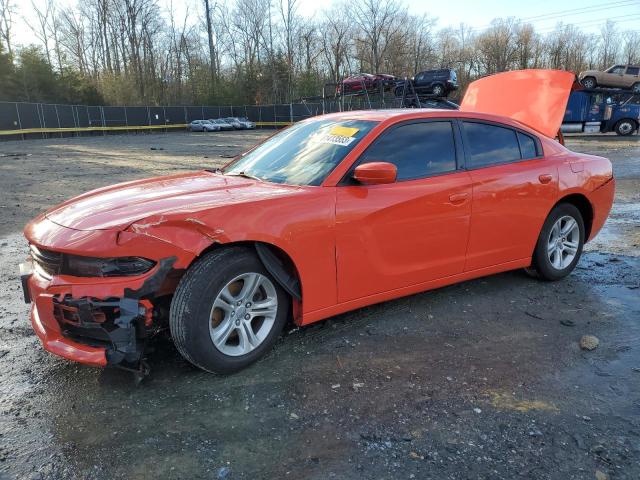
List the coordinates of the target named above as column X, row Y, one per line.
column 49, row 263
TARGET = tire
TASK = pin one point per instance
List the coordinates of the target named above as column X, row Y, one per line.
column 438, row 90
column 193, row 312
column 589, row 82
column 541, row 265
column 635, row 87
column 625, row 127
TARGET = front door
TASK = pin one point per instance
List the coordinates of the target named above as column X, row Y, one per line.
column 412, row 231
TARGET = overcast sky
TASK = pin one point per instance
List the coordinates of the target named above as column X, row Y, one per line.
column 589, row 15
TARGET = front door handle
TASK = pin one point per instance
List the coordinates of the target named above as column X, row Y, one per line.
column 458, row 198
column 545, row 178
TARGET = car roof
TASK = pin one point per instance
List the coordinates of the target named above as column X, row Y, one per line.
column 400, row 114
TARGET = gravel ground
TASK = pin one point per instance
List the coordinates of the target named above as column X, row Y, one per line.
column 484, row 379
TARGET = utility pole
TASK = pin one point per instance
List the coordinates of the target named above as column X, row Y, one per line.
column 212, row 62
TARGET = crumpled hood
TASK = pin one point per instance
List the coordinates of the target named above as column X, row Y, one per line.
column 118, row 206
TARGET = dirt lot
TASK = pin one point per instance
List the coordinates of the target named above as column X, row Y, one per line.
column 479, row 380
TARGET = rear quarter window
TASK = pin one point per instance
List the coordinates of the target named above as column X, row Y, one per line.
column 528, row 148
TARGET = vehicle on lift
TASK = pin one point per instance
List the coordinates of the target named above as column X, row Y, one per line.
column 335, row 213
column 618, row 76
column 601, row 111
column 203, row 126
column 439, row 82
column 365, row 81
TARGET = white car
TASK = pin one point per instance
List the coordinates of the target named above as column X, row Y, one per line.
column 248, row 124
column 203, row 126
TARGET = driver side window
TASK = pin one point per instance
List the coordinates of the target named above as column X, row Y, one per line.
column 618, row 69
column 418, row 149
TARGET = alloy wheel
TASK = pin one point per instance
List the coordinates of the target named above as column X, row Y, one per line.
column 243, row 314
column 563, row 242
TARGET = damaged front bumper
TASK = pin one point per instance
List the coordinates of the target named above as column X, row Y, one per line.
column 97, row 324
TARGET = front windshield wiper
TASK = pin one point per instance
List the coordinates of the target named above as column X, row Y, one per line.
column 245, row 175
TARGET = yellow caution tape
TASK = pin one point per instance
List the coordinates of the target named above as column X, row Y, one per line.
column 25, row 131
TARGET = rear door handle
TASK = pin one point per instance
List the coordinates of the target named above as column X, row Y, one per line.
column 458, row 198
column 545, row 178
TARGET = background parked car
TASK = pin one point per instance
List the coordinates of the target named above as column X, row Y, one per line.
column 248, row 124
column 437, row 82
column 618, row 76
column 203, row 126
column 223, row 124
column 234, row 122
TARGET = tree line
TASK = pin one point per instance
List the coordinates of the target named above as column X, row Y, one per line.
column 139, row 52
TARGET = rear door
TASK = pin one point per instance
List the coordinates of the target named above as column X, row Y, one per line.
column 412, row 231
column 632, row 76
column 514, row 188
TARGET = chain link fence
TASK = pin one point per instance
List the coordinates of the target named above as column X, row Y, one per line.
column 41, row 120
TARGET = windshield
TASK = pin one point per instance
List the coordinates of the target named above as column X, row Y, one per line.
column 303, row 154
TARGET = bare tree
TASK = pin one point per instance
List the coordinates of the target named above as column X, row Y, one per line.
column 212, row 56
column 43, row 27
column 631, row 48
column 7, row 10
column 609, row 44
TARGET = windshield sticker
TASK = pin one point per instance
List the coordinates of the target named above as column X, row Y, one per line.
column 336, row 140
column 343, row 131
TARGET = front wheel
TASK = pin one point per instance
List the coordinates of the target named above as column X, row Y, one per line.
column 589, row 82
column 560, row 243
column 438, row 90
column 625, row 127
column 227, row 311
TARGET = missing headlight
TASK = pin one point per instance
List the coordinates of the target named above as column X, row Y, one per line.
column 105, row 267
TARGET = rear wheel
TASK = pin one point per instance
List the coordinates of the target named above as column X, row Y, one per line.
column 636, row 87
column 625, row 127
column 438, row 90
column 227, row 311
column 560, row 243
column 589, row 82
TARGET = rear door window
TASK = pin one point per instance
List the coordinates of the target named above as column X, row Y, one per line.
column 633, row 70
column 417, row 149
column 490, row 144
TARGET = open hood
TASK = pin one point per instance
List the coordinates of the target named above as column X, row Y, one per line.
column 536, row 98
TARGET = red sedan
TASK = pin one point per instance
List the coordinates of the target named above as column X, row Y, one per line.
column 365, row 81
column 332, row 214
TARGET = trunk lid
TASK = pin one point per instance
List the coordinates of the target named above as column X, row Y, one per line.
column 536, row 98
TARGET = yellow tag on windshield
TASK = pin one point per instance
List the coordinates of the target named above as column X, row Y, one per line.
column 343, row 131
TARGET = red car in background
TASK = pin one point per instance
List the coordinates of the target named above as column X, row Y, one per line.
column 365, row 81
column 335, row 213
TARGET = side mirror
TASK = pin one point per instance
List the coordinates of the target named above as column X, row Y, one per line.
column 375, row 173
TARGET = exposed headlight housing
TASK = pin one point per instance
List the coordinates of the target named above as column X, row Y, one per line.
column 106, row 267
